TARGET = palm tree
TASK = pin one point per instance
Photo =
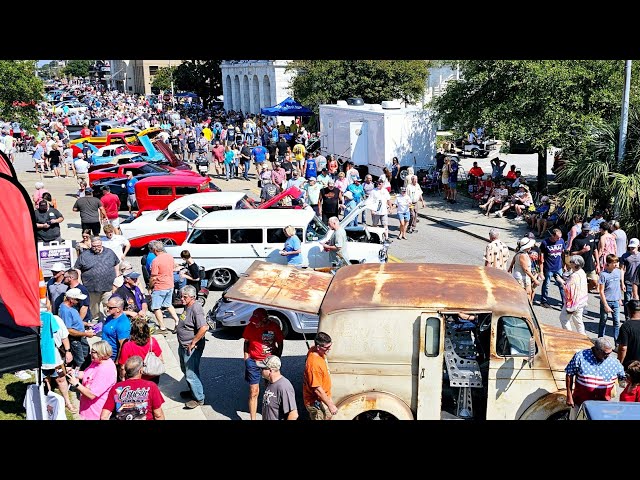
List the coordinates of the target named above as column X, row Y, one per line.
column 593, row 178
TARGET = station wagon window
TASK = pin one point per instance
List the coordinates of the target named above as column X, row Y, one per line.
column 277, row 235
column 316, row 230
column 186, row 190
column 207, row 237
column 217, row 208
column 513, row 337
column 160, row 191
column 246, row 235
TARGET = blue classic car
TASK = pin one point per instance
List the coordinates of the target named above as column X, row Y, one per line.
column 603, row 410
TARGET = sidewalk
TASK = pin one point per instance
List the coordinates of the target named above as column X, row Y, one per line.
column 63, row 190
column 466, row 217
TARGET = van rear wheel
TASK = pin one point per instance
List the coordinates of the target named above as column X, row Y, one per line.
column 221, row 278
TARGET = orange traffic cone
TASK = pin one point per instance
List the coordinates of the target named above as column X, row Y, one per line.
column 43, row 293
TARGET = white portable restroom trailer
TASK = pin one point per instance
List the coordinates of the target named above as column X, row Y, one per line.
column 372, row 134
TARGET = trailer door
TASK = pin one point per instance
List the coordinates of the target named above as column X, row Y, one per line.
column 358, row 139
column 430, row 366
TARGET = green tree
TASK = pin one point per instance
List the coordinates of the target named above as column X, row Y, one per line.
column 543, row 102
column 326, row 81
column 78, row 68
column 202, row 77
column 20, row 90
column 595, row 178
column 163, row 78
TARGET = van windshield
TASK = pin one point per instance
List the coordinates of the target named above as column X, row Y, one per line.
column 316, row 230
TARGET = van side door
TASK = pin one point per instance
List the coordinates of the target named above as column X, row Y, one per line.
column 430, row 366
column 512, row 381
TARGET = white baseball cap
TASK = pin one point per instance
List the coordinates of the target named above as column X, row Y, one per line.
column 634, row 242
column 58, row 267
column 75, row 293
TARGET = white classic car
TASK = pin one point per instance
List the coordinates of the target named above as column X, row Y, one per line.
column 171, row 224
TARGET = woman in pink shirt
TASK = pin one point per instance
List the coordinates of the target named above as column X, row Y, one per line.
column 37, row 194
column 97, row 380
column 139, row 343
column 341, row 182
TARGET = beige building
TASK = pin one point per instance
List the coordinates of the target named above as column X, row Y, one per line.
column 136, row 76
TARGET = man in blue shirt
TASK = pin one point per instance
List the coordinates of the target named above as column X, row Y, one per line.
column 259, row 154
column 131, row 191
column 551, row 264
column 117, row 326
column 77, row 334
column 609, row 287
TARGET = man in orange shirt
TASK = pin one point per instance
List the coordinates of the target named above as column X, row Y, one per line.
column 161, row 281
column 316, row 383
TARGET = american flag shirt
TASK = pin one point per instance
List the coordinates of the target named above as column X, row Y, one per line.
column 593, row 379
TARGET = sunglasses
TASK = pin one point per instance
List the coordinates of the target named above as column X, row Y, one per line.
column 326, row 347
column 111, row 308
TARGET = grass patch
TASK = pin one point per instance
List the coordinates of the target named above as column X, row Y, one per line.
column 12, row 393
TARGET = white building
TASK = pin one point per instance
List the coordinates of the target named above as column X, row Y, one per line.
column 250, row 85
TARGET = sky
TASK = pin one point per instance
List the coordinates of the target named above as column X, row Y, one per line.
column 43, row 62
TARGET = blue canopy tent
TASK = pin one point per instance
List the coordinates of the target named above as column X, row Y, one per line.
column 287, row 108
column 186, row 95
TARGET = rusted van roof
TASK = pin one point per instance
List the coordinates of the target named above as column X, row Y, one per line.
column 425, row 285
column 281, row 286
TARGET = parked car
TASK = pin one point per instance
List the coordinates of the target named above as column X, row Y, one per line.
column 227, row 243
column 158, row 191
column 171, row 224
column 138, row 168
column 73, row 105
column 233, row 313
column 118, row 187
column 608, row 410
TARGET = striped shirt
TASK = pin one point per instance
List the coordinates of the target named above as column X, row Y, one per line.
column 497, row 255
column 594, row 379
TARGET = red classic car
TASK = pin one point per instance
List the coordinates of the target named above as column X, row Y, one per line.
column 138, row 168
column 158, row 191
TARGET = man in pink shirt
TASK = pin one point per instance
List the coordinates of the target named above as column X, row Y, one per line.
column 161, row 281
column 111, row 204
column 218, row 157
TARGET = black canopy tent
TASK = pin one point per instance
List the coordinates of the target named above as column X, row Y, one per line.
column 19, row 346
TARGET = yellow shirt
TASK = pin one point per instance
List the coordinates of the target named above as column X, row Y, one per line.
column 299, row 151
column 208, row 134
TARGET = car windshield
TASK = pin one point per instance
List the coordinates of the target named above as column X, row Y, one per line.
column 162, row 215
column 316, row 229
column 148, row 168
column 192, row 212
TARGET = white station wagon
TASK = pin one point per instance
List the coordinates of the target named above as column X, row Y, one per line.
column 226, row 243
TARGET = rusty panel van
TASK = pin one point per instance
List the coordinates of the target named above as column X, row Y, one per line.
column 426, row 341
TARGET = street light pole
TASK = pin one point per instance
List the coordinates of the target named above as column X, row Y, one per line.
column 173, row 99
column 624, row 115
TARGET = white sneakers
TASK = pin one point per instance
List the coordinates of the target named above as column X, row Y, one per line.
column 499, row 214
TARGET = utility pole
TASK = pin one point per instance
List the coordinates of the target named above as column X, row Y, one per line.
column 173, row 98
column 624, row 115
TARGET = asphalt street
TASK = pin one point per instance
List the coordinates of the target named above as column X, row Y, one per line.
column 222, row 366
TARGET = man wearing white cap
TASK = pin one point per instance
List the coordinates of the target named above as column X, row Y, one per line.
column 55, row 286
column 629, row 263
column 77, row 334
column 279, row 399
column 522, row 266
column 312, row 194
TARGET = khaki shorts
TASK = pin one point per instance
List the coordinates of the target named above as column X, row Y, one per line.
column 318, row 411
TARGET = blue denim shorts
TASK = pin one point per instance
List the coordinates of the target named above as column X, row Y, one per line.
column 404, row 216
column 453, row 185
column 161, row 298
column 252, row 373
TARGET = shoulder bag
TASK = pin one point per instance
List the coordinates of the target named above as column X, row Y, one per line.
column 152, row 365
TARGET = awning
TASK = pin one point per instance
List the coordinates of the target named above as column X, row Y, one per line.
column 287, row 108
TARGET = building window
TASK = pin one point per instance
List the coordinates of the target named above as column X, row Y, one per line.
column 153, row 69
